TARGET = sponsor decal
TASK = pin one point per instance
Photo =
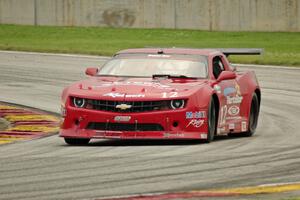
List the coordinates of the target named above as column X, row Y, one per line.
column 228, row 93
column 115, row 94
column 195, row 115
column 134, row 95
column 189, row 115
column 234, row 100
column 229, row 90
column 168, row 135
column 244, row 126
column 217, row 88
column 197, row 123
column 233, row 110
column 233, row 117
column 200, row 114
column 203, row 135
column 122, row 118
column 231, row 126
column 221, row 130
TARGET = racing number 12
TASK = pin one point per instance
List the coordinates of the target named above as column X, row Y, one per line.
column 171, row 94
column 223, row 113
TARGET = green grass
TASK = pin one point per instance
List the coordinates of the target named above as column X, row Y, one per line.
column 281, row 48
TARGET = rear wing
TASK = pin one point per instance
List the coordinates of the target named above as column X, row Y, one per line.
column 226, row 51
column 240, row 51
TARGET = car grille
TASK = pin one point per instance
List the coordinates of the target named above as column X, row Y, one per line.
column 124, row 127
column 135, row 106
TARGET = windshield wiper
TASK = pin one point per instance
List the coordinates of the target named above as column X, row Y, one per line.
column 171, row 76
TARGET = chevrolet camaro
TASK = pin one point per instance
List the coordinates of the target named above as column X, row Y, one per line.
column 162, row 93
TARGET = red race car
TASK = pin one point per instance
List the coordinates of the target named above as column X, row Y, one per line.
column 169, row 93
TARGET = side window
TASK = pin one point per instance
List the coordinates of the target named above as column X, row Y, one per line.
column 218, row 66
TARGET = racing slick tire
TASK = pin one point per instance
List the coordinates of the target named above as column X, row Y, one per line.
column 77, row 141
column 211, row 118
column 253, row 116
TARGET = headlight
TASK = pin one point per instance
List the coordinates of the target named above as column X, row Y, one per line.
column 79, row 102
column 178, row 103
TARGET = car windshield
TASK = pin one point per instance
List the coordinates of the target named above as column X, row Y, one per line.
column 147, row 65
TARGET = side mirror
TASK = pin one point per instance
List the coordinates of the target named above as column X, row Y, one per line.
column 91, row 71
column 226, row 75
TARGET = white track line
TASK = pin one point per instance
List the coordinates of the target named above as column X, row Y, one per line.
column 266, row 66
column 278, row 184
column 56, row 54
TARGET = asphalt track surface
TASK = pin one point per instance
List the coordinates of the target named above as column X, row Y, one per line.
column 49, row 169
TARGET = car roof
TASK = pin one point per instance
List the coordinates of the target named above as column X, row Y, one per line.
column 188, row 51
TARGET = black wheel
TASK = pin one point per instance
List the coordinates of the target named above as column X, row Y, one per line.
column 211, row 116
column 253, row 117
column 77, row 141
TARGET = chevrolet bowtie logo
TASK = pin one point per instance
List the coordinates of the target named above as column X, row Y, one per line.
column 123, row 106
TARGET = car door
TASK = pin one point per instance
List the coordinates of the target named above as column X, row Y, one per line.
column 229, row 95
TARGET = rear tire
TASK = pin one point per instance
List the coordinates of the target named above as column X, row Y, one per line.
column 253, row 116
column 211, row 118
column 77, row 141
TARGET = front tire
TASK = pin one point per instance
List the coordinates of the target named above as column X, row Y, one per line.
column 211, row 116
column 253, row 116
column 77, row 141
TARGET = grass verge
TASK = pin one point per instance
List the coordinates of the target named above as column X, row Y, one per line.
column 281, row 48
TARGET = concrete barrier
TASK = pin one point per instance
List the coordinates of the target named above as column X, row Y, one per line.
column 215, row 15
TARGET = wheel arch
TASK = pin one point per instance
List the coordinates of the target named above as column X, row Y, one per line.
column 217, row 105
column 258, row 94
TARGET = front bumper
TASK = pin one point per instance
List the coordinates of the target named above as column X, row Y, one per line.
column 175, row 124
column 83, row 133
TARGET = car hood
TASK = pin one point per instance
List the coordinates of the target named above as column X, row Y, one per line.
column 120, row 88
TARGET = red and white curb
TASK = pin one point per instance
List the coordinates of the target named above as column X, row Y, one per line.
column 229, row 192
column 18, row 123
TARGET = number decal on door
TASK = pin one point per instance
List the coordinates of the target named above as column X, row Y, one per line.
column 223, row 113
